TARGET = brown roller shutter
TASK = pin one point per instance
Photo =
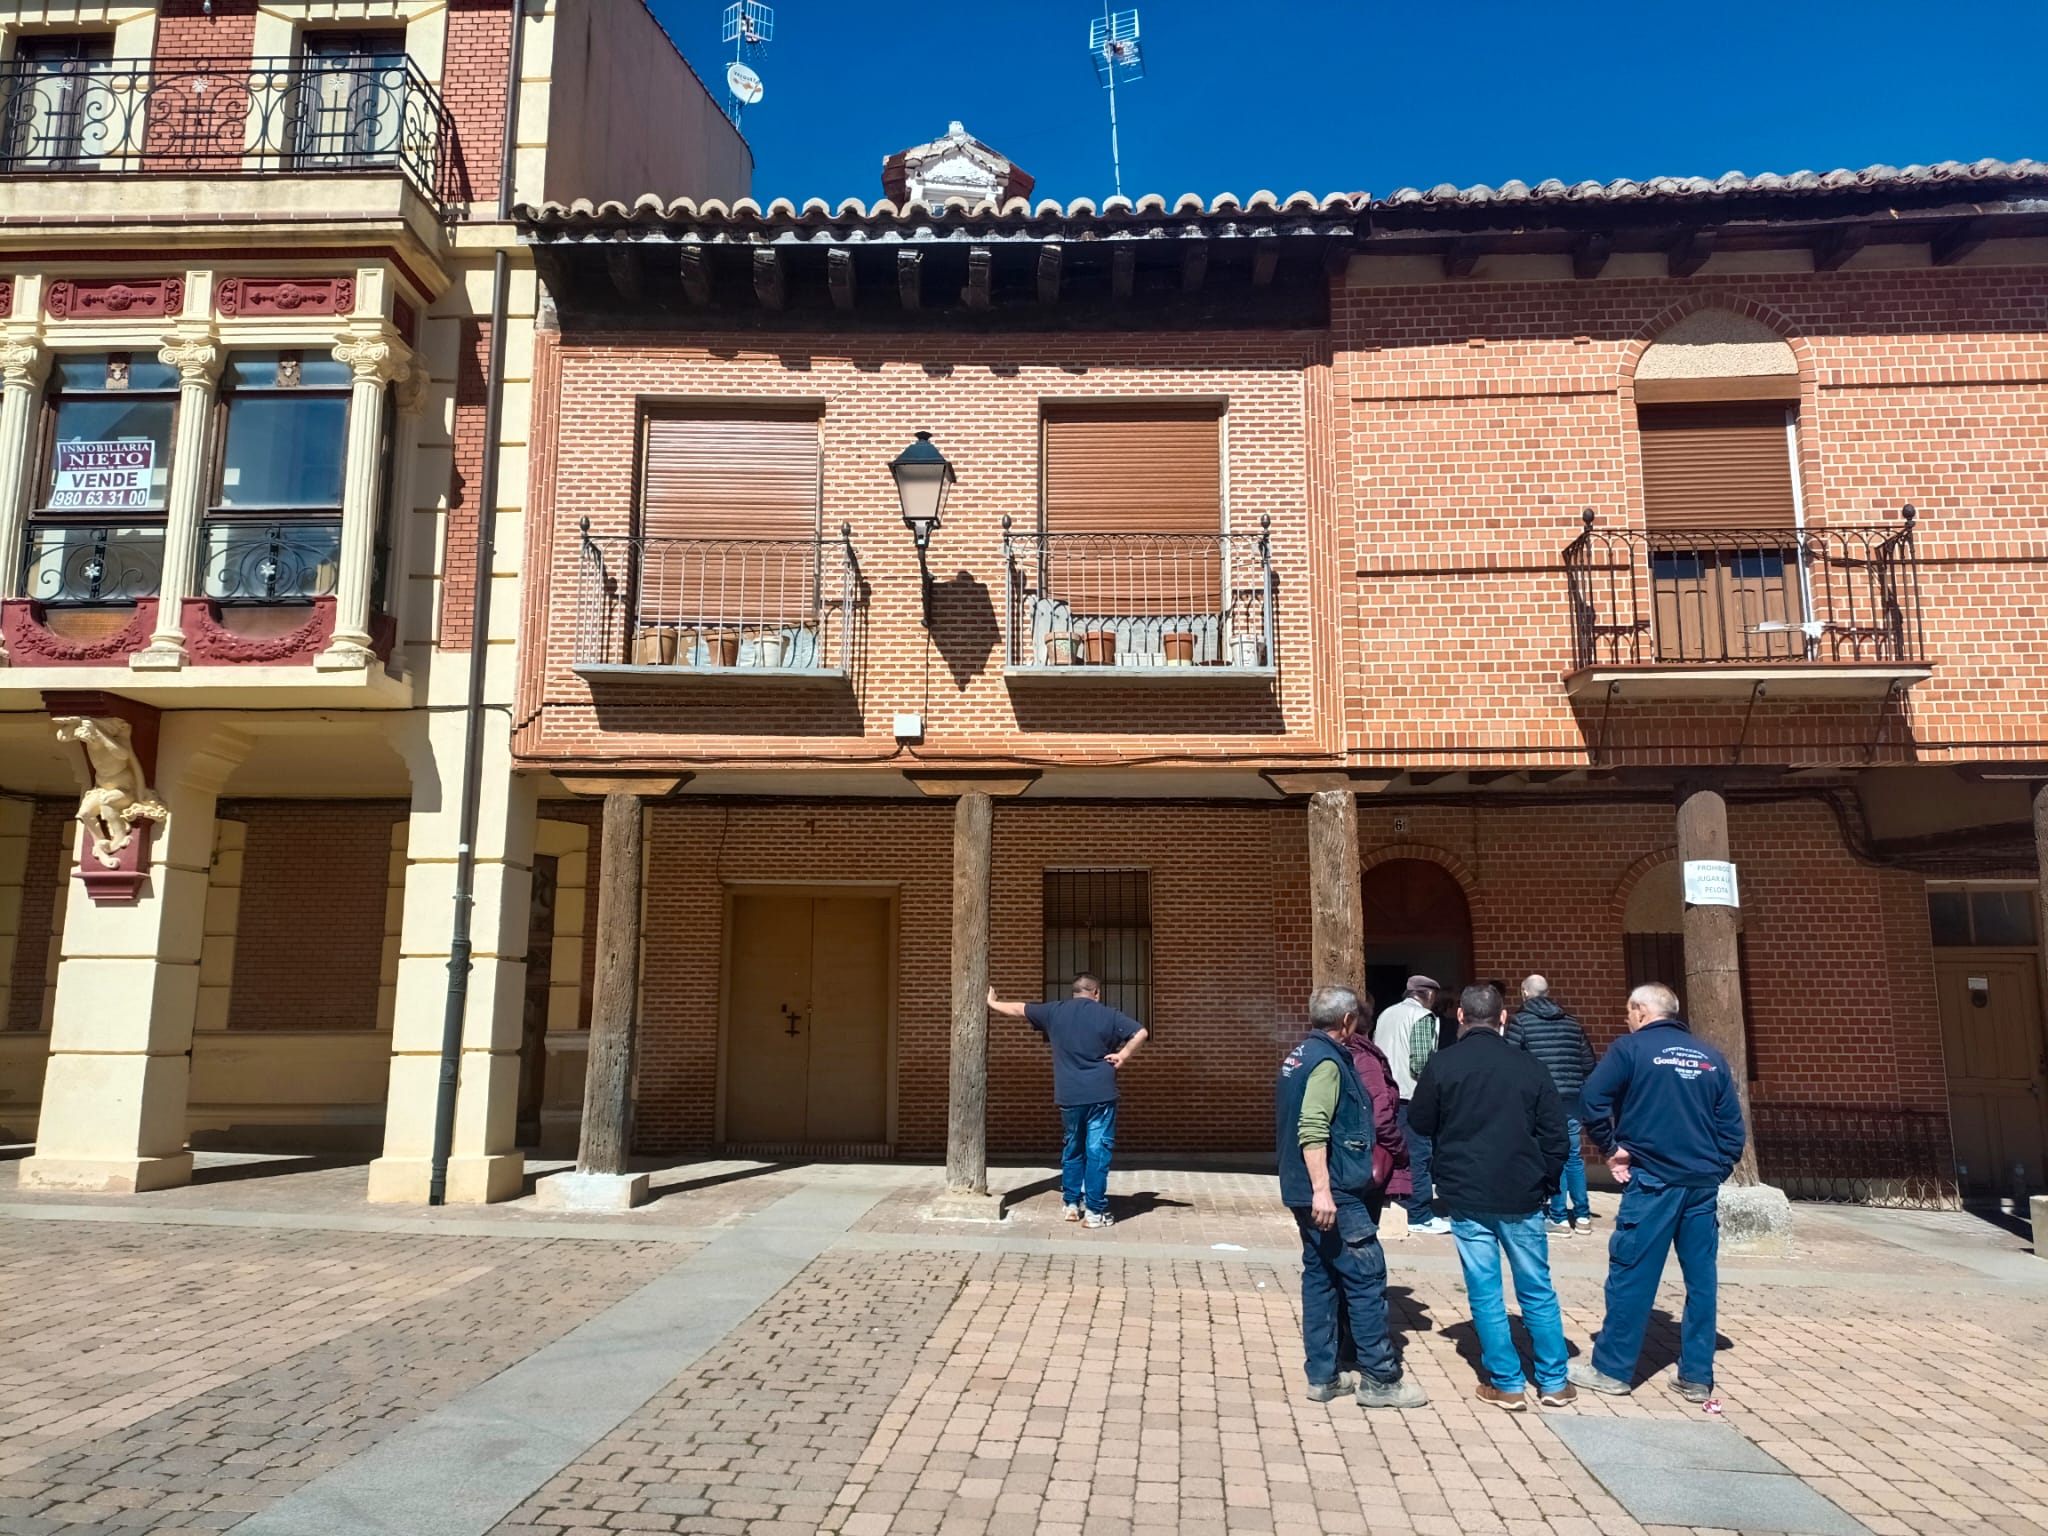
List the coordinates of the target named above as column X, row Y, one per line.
column 1715, row 465
column 1134, row 469
column 731, row 475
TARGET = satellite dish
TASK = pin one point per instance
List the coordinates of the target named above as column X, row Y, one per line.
column 744, row 84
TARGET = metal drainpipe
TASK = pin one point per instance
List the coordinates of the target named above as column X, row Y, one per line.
column 479, row 648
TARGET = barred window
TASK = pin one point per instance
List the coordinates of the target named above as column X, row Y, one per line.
column 1100, row 921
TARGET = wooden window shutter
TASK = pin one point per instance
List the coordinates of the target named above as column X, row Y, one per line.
column 1134, row 469
column 717, row 474
column 1715, row 465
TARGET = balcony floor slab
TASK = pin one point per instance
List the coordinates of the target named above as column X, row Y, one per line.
column 1723, row 680
column 253, row 687
column 672, row 676
column 1081, row 676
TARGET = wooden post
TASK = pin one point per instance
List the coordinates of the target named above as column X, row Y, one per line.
column 1713, row 966
column 1338, row 941
column 967, row 1116
column 615, row 1002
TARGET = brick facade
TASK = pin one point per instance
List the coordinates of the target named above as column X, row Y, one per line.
column 184, row 30
column 1230, row 964
column 286, row 977
column 465, row 490
column 473, row 87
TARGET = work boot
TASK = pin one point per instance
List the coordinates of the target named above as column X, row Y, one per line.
column 1583, row 1375
column 1390, row 1394
column 1692, row 1391
column 1330, row 1391
column 1513, row 1402
column 1559, row 1397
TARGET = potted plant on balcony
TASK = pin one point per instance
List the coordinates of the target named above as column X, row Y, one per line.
column 1059, row 648
column 764, row 649
column 654, row 646
column 1180, row 647
column 714, row 648
column 1098, row 647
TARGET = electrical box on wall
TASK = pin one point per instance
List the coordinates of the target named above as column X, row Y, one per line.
column 910, row 727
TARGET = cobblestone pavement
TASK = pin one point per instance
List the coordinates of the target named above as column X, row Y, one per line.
column 216, row 1347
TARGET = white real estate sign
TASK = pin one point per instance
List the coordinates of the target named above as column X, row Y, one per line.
column 111, row 476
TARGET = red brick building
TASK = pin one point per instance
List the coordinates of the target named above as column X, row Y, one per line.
column 1500, row 521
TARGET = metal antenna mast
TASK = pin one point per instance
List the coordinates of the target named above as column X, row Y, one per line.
column 1113, row 45
column 750, row 28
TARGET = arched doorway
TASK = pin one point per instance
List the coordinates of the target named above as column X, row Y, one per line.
column 1416, row 921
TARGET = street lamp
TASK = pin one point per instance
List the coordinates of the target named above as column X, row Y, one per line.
column 923, row 476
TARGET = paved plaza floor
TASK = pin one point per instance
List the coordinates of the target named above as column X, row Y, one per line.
column 772, row 1348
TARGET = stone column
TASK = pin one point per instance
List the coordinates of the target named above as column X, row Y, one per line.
column 1335, row 892
column 485, row 1163
column 1713, row 997
column 127, row 990
column 24, row 364
column 967, row 1114
column 601, row 1180
column 376, row 358
column 198, row 360
column 410, row 393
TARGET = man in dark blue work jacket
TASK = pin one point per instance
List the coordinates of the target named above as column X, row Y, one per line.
column 1664, row 1108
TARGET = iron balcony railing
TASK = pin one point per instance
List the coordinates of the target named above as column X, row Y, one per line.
column 246, row 562
column 1745, row 596
column 181, row 116
column 84, row 564
column 1134, row 601
column 717, row 605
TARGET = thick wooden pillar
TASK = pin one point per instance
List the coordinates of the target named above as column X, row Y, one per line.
column 615, row 1001
column 1337, row 937
column 1713, row 966
column 967, row 1114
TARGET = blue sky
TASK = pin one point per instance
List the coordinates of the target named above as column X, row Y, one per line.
column 1339, row 95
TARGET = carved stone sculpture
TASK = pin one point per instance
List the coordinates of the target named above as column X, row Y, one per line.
column 119, row 796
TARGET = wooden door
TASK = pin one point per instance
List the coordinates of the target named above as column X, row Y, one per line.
column 1991, row 1034
column 807, row 1035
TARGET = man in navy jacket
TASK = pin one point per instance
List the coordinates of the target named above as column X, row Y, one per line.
column 1665, row 1109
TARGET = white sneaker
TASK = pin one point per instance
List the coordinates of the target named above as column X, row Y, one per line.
column 1436, row 1226
column 1070, row 1213
column 1098, row 1219
column 1583, row 1224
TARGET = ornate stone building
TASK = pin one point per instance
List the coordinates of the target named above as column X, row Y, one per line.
column 266, row 340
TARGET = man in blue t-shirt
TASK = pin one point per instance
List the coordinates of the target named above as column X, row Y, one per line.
column 1090, row 1041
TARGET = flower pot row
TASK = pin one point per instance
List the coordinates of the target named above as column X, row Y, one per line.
column 705, row 647
column 1097, row 648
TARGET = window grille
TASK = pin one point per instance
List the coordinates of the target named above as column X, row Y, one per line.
column 1100, row 921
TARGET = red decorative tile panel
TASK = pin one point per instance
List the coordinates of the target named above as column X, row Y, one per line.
column 113, row 298
column 33, row 645
column 238, row 296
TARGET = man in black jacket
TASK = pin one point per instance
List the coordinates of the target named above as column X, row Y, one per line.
column 1559, row 1041
column 1499, row 1133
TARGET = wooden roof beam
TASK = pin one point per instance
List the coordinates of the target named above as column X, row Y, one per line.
column 1049, row 257
column 1194, row 266
column 1461, row 258
column 696, row 268
column 1691, row 251
column 1265, row 262
column 980, row 266
column 839, row 277
column 1589, row 255
column 1837, row 246
column 1123, row 270
column 622, row 266
column 771, row 287
column 910, row 278
column 1957, row 241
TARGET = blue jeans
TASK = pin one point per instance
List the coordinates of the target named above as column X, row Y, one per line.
column 1570, row 1203
column 1654, row 1218
column 1417, row 1204
column 1084, row 1160
column 1344, row 1273
column 1481, row 1237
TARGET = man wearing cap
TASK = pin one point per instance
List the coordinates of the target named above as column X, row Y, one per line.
column 1407, row 1035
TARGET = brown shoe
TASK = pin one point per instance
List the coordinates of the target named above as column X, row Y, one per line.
column 1513, row 1402
column 1563, row 1397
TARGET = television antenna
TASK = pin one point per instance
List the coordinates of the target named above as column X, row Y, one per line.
column 1113, row 45
column 750, row 28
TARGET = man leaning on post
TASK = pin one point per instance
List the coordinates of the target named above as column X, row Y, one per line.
column 1665, row 1110
column 1323, row 1128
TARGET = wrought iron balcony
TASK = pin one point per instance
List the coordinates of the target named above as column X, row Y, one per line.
column 674, row 608
column 1158, row 604
column 1745, row 597
column 244, row 562
column 79, row 565
column 209, row 117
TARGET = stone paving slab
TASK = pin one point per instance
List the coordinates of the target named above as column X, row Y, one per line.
column 1685, row 1473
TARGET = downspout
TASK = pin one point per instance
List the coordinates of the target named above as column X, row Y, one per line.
column 479, row 645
